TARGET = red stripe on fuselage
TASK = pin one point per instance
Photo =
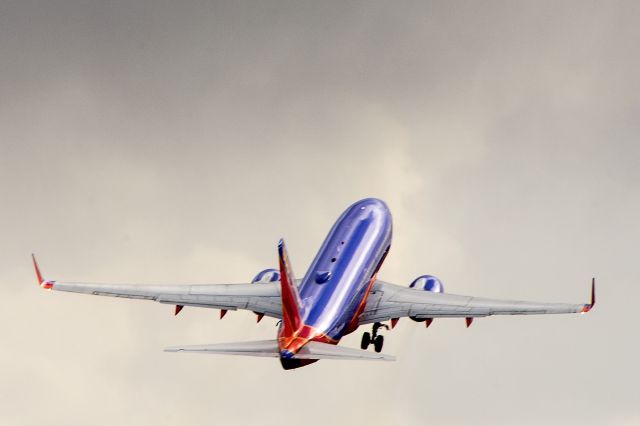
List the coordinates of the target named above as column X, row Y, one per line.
column 354, row 323
column 301, row 337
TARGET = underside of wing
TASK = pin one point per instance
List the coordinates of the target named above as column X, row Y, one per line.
column 269, row 348
column 261, row 298
column 387, row 301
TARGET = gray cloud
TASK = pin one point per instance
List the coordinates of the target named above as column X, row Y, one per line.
column 176, row 142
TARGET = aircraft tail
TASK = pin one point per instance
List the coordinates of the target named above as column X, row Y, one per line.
column 291, row 319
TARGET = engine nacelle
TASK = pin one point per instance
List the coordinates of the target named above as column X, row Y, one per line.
column 267, row 276
column 427, row 283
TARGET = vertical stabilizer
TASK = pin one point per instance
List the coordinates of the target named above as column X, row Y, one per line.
column 289, row 292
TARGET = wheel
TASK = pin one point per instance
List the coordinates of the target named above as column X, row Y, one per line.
column 366, row 340
column 377, row 344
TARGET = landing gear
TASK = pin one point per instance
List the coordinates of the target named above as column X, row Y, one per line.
column 377, row 344
column 366, row 341
column 373, row 337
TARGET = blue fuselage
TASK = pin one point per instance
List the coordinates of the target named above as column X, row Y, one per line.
column 335, row 288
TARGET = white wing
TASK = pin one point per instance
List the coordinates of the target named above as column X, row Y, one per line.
column 387, row 301
column 262, row 298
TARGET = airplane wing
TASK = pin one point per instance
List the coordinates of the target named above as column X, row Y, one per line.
column 262, row 298
column 389, row 301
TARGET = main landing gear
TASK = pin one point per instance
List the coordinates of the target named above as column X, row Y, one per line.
column 373, row 337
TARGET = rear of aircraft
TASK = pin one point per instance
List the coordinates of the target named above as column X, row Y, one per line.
column 297, row 344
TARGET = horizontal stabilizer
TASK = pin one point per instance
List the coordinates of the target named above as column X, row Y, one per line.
column 269, row 348
column 319, row 350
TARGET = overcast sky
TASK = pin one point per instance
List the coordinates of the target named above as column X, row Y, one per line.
column 175, row 142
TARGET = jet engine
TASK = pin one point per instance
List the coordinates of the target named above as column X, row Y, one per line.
column 264, row 277
column 267, row 276
column 427, row 283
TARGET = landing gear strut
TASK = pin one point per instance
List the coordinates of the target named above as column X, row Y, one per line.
column 373, row 337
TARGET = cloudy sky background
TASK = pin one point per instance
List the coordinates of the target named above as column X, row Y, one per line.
column 175, row 142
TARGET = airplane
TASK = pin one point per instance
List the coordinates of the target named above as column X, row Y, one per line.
column 339, row 293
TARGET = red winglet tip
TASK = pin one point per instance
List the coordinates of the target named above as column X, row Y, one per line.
column 394, row 321
column 35, row 266
column 223, row 312
column 178, row 309
column 428, row 322
column 47, row 285
column 590, row 306
column 259, row 317
column 468, row 321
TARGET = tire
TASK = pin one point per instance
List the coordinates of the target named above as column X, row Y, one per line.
column 366, row 340
column 377, row 344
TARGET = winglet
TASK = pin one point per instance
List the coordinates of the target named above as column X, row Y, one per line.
column 48, row 285
column 590, row 306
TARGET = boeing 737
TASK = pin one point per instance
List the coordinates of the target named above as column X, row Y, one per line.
column 339, row 293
